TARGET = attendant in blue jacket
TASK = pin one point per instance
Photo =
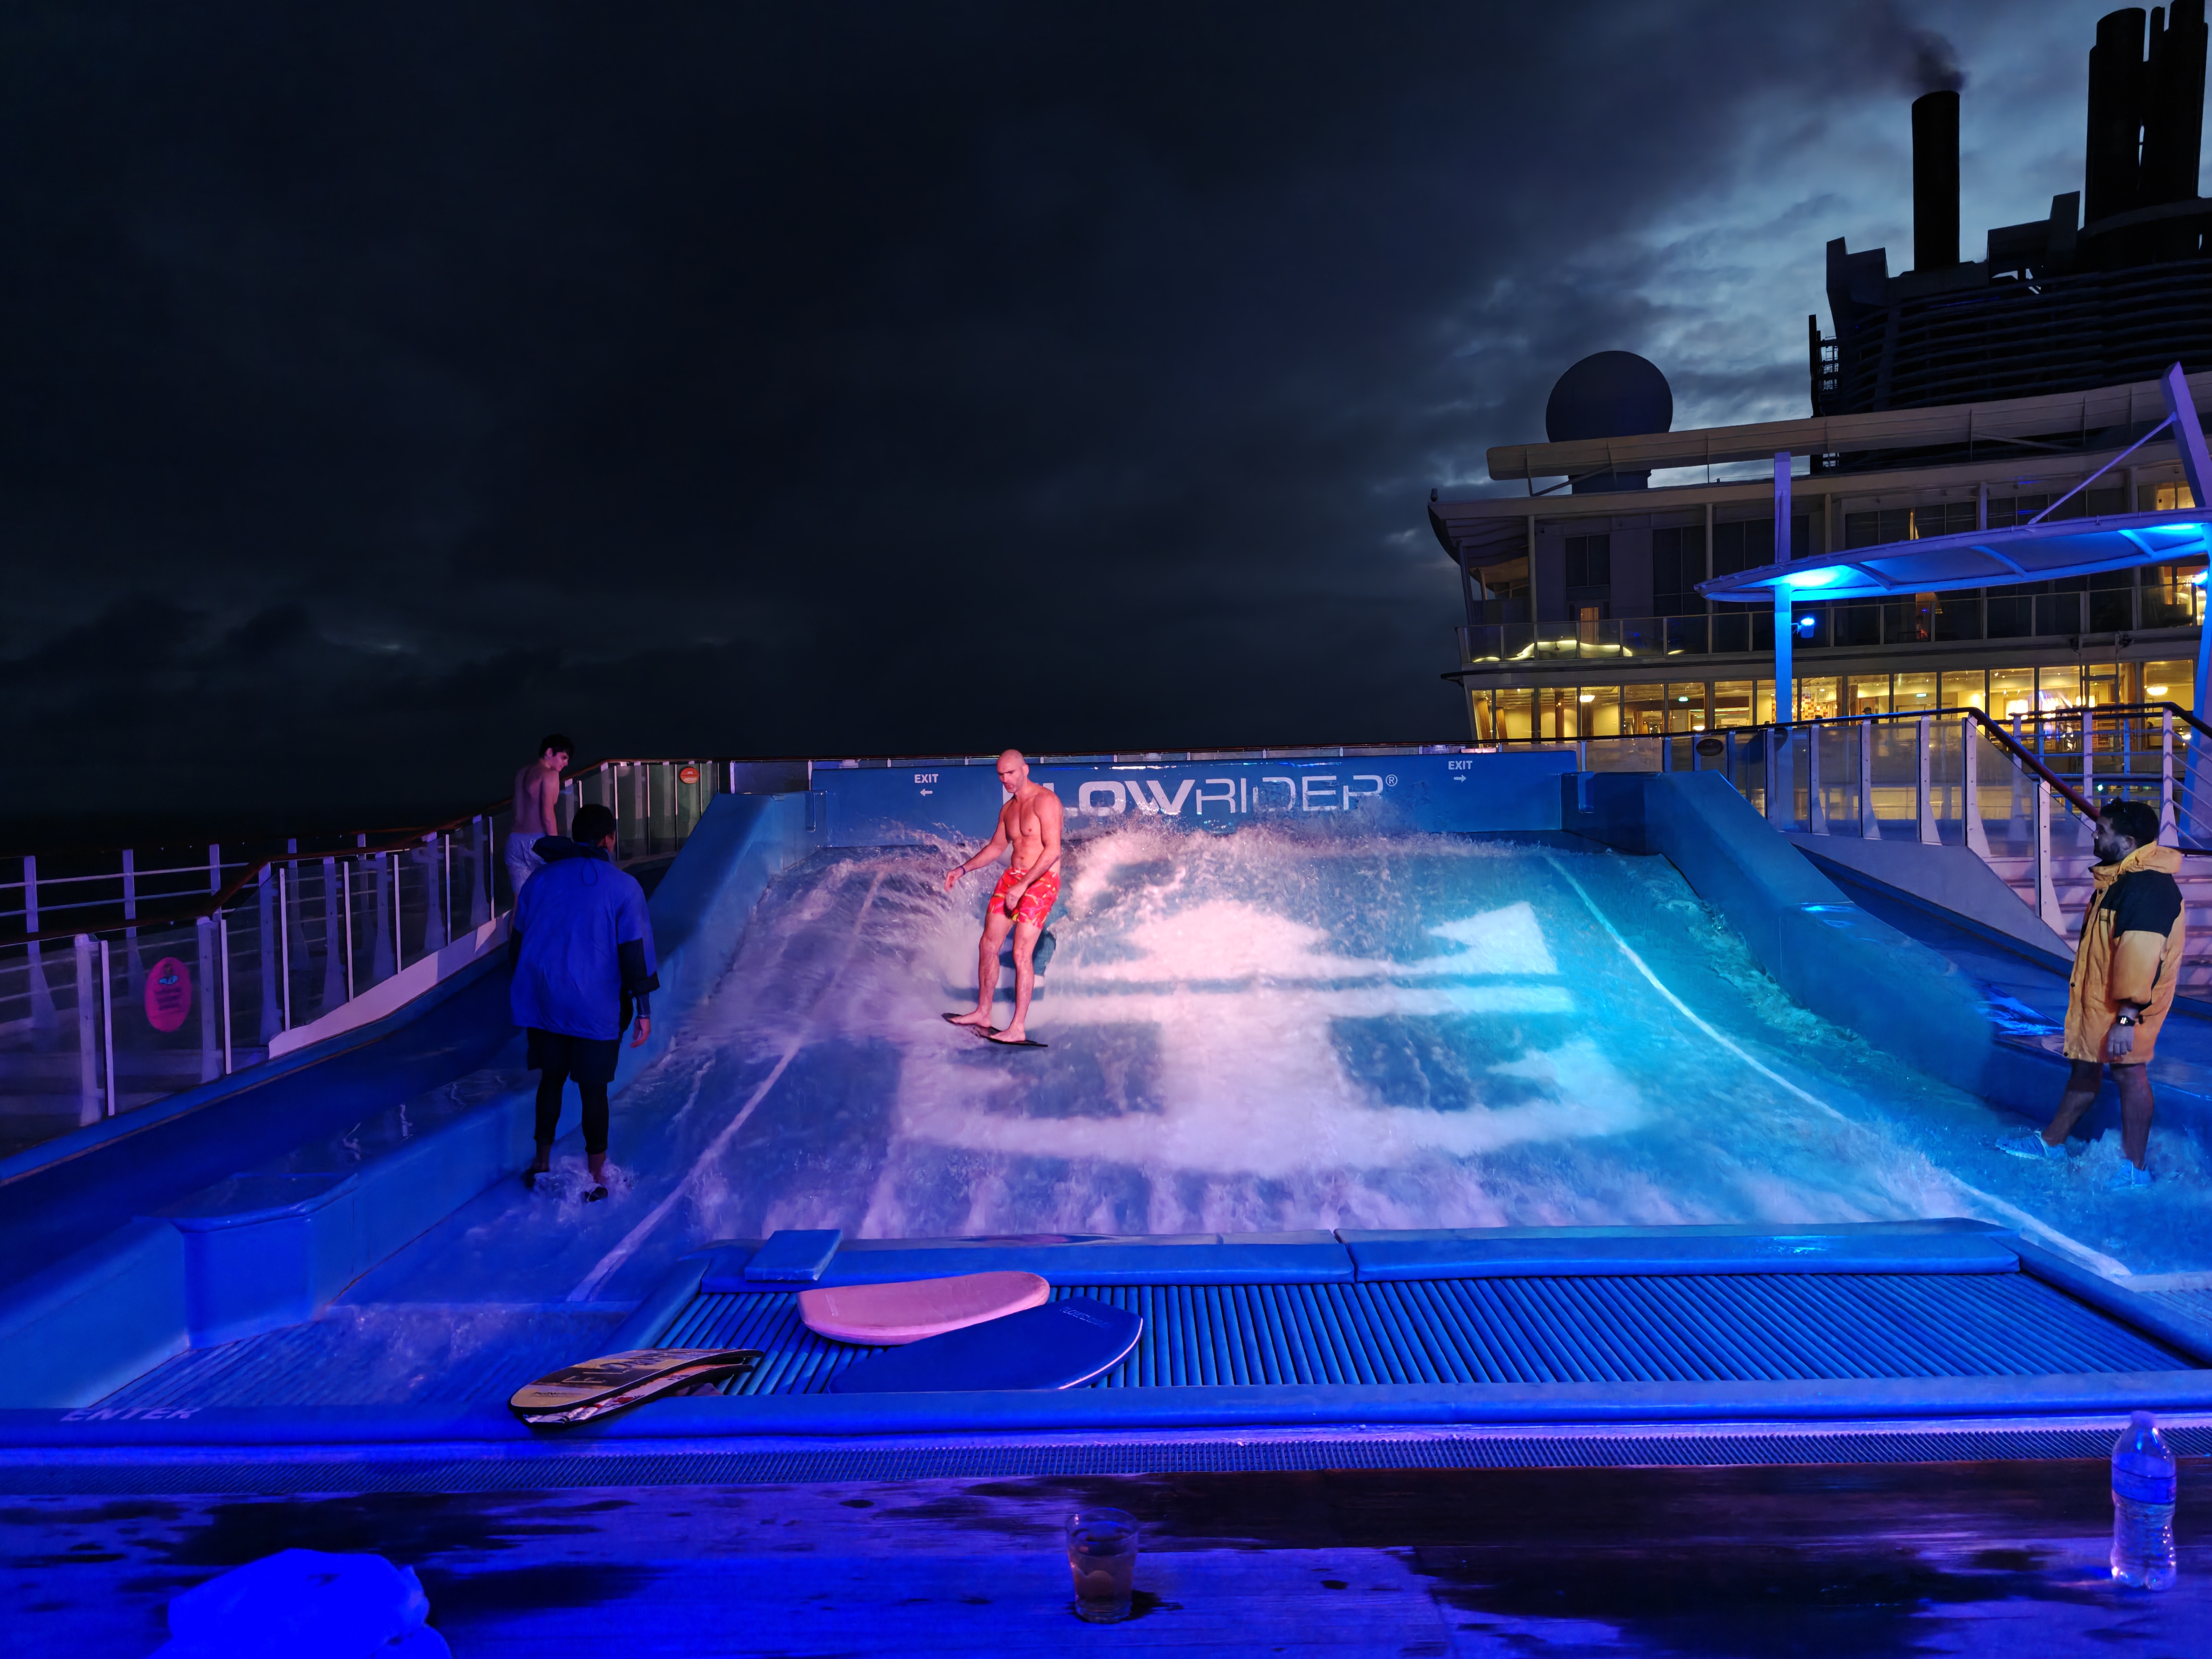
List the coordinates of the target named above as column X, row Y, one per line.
column 582, row 949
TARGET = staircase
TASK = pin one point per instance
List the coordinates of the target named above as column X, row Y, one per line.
column 2071, row 877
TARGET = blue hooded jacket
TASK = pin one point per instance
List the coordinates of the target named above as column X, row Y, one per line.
column 582, row 942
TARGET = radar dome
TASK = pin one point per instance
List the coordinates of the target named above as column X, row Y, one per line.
column 1609, row 394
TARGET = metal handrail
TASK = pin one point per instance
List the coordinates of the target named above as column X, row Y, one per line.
column 214, row 901
column 2091, row 713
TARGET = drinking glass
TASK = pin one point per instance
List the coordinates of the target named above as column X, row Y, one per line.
column 1102, row 1554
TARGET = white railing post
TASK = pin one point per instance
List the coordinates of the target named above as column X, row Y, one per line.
column 2089, row 755
column 1970, row 771
column 107, row 1025
column 338, row 938
column 345, row 915
column 436, row 891
column 267, row 955
column 2047, row 892
column 1816, row 805
column 1924, row 757
column 203, row 929
column 2012, row 825
column 285, row 944
column 223, row 943
column 88, row 1037
column 133, row 969
column 479, row 872
column 1870, row 821
column 382, row 947
column 42, row 996
column 2169, row 827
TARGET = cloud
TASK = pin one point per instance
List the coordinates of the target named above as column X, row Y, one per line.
column 400, row 383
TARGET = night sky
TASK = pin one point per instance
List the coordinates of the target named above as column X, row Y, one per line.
column 381, row 386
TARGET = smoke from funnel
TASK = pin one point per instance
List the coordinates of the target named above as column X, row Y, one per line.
column 1935, row 64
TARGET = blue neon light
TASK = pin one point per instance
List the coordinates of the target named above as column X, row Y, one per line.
column 1815, row 578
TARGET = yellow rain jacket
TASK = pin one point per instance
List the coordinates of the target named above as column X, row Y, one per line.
column 2130, row 950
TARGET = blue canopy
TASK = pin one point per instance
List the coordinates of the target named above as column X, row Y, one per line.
column 1979, row 558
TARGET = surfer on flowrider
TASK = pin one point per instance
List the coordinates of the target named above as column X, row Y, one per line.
column 1028, row 836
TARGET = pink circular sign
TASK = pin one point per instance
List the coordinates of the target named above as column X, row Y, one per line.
column 168, row 994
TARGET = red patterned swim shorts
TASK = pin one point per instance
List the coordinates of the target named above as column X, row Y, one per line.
column 1036, row 899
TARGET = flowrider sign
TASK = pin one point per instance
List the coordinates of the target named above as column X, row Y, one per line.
column 868, row 807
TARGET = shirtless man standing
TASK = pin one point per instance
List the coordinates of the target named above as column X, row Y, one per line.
column 537, row 808
column 1029, row 824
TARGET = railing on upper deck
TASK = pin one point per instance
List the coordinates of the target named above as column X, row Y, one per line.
column 1933, row 619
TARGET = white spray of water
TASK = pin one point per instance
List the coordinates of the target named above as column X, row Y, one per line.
column 588, row 1287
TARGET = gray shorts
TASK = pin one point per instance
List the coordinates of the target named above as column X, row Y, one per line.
column 522, row 859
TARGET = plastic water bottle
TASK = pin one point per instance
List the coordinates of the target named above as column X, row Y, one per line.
column 2142, row 1505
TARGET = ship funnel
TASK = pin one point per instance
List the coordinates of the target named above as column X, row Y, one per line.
column 1935, row 180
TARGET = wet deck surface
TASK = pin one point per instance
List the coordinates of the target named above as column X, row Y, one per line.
column 1966, row 1559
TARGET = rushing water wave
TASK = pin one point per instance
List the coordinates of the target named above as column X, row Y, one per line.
column 1270, row 1031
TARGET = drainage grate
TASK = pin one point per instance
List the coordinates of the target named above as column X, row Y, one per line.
column 1742, row 1328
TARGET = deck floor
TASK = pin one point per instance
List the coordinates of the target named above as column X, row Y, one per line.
column 1967, row 1559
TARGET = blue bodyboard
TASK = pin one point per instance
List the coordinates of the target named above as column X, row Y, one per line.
column 794, row 1255
column 1055, row 1346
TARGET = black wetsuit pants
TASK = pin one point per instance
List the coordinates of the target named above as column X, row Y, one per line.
column 595, row 1110
column 556, row 1057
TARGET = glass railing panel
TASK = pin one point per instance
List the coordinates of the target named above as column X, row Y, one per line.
column 2009, row 616
column 2058, row 613
column 1622, row 754
column 2005, row 796
column 164, row 997
column 1959, row 619
column 315, row 939
column 2176, row 605
column 1855, row 625
column 1947, row 777
column 366, row 889
column 1896, row 775
column 2111, row 609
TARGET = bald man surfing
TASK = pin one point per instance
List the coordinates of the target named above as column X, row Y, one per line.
column 1029, row 831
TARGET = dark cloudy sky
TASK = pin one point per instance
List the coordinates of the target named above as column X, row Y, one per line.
column 381, row 386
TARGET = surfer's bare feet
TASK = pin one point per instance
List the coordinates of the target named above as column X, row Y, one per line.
column 1012, row 1037
column 981, row 1016
column 543, row 1165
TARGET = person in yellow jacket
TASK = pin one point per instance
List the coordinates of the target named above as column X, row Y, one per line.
column 2124, row 973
